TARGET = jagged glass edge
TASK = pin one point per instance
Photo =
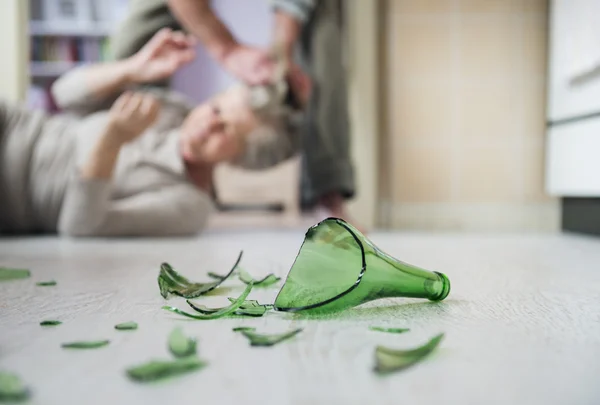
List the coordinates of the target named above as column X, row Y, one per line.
column 340, row 295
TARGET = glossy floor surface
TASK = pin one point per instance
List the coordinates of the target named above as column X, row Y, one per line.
column 522, row 323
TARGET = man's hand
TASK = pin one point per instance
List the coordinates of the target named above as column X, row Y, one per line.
column 162, row 56
column 300, row 83
column 130, row 116
column 252, row 65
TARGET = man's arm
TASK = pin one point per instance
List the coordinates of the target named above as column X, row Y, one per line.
column 290, row 16
column 198, row 18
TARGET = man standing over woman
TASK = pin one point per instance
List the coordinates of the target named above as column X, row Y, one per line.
column 309, row 33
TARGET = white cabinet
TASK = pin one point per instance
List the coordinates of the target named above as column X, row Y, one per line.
column 573, row 163
column 573, row 149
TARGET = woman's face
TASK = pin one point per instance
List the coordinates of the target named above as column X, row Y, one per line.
column 215, row 131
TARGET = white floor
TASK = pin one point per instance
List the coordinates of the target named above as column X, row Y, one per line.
column 522, row 323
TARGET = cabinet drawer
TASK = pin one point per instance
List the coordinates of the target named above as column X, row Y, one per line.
column 573, row 159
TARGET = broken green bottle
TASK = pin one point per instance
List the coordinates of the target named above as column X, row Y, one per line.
column 337, row 268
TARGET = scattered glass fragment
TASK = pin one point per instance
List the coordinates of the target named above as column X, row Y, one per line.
column 92, row 344
column 170, row 281
column 50, row 283
column 159, row 369
column 248, row 308
column 217, row 276
column 388, row 330
column 258, row 339
column 50, row 323
column 7, row 274
column 12, row 389
column 221, row 312
column 126, row 326
column 251, row 310
column 180, row 345
column 389, row 360
column 241, row 328
column 337, row 268
column 266, row 281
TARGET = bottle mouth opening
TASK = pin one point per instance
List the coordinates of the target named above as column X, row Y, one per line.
column 445, row 287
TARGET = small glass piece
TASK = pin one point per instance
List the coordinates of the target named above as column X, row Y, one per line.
column 7, row 274
column 12, row 389
column 388, row 330
column 241, row 328
column 266, row 281
column 248, row 308
column 170, row 281
column 252, row 307
column 159, row 369
column 217, row 276
column 180, row 345
column 337, row 268
column 389, row 360
column 92, row 344
column 258, row 339
column 50, row 323
column 50, row 283
column 219, row 313
column 126, row 326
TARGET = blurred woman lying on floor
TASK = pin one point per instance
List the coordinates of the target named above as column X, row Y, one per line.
column 123, row 163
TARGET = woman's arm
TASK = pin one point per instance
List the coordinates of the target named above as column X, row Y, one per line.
column 91, row 87
column 88, row 208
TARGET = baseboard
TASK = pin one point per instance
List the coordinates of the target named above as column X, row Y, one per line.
column 581, row 215
column 493, row 217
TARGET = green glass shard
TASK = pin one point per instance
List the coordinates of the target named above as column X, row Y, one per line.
column 92, row 344
column 163, row 285
column 171, row 282
column 250, row 310
column 258, row 339
column 241, row 328
column 7, row 274
column 218, row 276
column 337, row 268
column 180, row 345
column 219, row 313
column 12, row 389
column 247, row 303
column 50, row 323
column 50, row 283
column 389, row 360
column 267, row 281
column 388, row 330
column 126, row 326
column 159, row 369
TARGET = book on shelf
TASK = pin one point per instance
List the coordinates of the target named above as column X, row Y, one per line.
column 69, row 49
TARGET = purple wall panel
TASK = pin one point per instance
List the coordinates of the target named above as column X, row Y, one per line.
column 250, row 21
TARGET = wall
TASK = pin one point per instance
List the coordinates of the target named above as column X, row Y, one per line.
column 14, row 48
column 463, row 146
column 250, row 20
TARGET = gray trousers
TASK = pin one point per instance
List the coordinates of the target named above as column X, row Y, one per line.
column 327, row 166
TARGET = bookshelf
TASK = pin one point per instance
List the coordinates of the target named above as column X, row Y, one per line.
column 64, row 34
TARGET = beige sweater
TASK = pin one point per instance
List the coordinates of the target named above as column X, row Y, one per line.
column 41, row 189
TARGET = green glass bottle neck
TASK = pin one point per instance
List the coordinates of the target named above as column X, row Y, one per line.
column 389, row 277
